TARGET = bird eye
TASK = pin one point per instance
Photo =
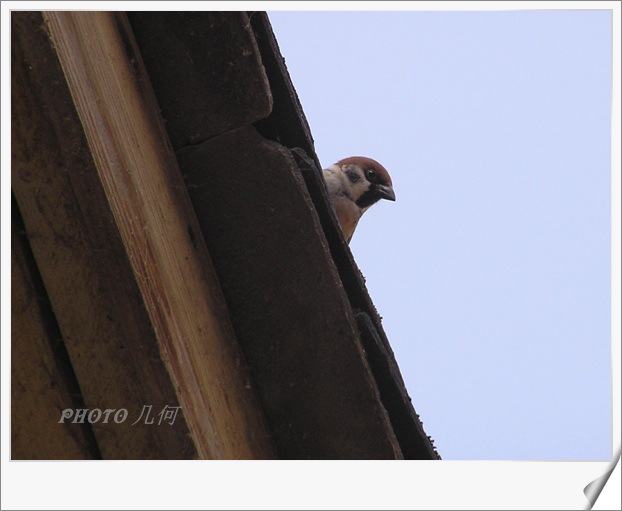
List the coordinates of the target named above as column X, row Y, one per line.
column 371, row 174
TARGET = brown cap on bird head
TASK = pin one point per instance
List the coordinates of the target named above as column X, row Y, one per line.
column 368, row 163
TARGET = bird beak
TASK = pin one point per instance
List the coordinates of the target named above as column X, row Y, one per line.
column 386, row 192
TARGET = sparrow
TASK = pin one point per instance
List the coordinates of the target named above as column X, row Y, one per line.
column 354, row 185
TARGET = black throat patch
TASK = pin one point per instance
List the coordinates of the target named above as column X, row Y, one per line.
column 368, row 198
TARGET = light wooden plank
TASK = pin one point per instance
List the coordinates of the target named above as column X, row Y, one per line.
column 157, row 224
column 81, row 257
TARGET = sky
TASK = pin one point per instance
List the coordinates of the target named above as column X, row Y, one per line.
column 492, row 270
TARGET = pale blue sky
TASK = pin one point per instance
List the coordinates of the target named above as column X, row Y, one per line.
column 492, row 269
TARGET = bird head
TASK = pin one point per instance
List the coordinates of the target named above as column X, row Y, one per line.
column 367, row 180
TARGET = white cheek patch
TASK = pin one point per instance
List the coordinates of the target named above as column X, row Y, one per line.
column 355, row 182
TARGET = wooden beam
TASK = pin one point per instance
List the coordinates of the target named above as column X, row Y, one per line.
column 40, row 385
column 119, row 247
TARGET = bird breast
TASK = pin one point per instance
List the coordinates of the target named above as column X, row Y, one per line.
column 348, row 213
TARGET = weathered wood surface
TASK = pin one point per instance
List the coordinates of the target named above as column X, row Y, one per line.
column 118, row 246
column 287, row 123
column 286, row 301
column 207, row 69
column 40, row 384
